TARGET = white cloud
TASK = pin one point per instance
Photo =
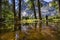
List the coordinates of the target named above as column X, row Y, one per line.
column 25, row 0
column 24, row 13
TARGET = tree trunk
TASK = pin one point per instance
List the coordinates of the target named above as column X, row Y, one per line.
column 39, row 9
column 1, row 20
column 46, row 20
column 40, row 26
column 34, row 10
column 14, row 14
column 19, row 15
column 0, row 9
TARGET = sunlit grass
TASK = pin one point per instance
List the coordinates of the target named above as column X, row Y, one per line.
column 37, row 20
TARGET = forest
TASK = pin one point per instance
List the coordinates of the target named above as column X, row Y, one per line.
column 29, row 20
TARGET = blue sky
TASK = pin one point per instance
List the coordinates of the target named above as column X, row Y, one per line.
column 27, row 0
column 44, row 0
column 47, row 0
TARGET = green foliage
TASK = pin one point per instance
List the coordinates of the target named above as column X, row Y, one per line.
column 8, row 16
column 31, row 2
column 54, row 18
column 55, row 4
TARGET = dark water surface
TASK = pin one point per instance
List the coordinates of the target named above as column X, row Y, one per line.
column 34, row 31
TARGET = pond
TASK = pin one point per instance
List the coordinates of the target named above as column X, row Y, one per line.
column 34, row 31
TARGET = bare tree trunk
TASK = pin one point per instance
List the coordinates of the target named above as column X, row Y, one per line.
column 15, row 22
column 19, row 15
column 34, row 10
column 46, row 20
column 40, row 26
column 35, row 26
column 0, row 9
column 1, row 21
column 14, row 14
column 39, row 9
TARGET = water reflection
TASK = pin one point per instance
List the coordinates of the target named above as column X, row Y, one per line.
column 34, row 31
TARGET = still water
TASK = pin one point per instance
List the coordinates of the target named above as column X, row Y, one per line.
column 34, row 31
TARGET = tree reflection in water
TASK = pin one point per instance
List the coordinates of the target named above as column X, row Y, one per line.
column 34, row 31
